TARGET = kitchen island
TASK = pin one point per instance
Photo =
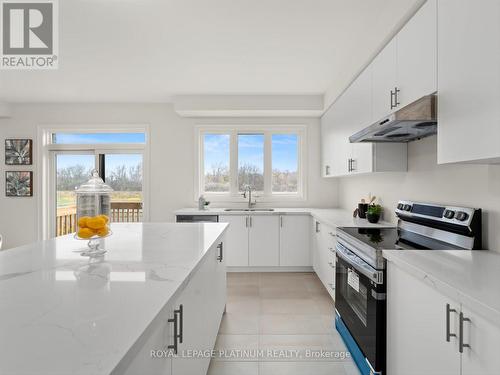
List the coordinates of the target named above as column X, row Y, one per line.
column 159, row 287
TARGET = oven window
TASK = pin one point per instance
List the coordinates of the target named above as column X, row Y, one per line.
column 358, row 300
column 355, row 295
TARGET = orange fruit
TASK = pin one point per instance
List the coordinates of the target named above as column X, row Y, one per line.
column 96, row 222
column 85, row 233
column 105, row 217
column 103, row 232
column 82, row 222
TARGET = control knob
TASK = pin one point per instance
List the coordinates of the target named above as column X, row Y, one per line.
column 449, row 214
column 462, row 216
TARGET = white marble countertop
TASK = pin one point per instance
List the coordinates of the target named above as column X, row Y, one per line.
column 60, row 314
column 469, row 277
column 334, row 217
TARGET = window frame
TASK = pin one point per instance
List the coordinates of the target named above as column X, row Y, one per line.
column 46, row 202
column 234, row 196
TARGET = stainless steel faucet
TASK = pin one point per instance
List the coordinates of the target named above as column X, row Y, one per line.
column 248, row 189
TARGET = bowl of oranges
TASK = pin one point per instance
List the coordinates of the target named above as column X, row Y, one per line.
column 92, row 229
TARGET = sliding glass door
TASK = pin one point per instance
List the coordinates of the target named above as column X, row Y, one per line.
column 122, row 170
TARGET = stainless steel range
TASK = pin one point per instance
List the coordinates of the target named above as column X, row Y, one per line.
column 360, row 295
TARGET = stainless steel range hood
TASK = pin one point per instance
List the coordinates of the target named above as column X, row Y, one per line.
column 416, row 120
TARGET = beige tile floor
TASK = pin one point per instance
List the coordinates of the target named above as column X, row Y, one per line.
column 286, row 313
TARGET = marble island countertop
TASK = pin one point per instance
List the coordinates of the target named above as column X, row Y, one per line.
column 63, row 314
column 469, row 277
column 335, row 217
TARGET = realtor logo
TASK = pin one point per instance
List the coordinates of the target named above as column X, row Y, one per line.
column 29, row 34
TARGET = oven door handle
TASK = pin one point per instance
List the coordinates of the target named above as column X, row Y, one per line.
column 359, row 264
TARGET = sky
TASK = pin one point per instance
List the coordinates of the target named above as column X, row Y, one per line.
column 251, row 150
column 112, row 160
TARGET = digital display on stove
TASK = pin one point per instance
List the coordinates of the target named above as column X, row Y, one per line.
column 428, row 210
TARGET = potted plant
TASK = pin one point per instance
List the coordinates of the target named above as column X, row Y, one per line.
column 373, row 213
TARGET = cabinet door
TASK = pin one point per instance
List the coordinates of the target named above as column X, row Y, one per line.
column 327, row 141
column 236, row 243
column 416, row 327
column 469, row 81
column 359, row 110
column 295, row 240
column 383, row 81
column 264, row 240
column 315, row 233
column 202, row 310
column 341, row 147
column 156, row 338
column 483, row 337
column 417, row 55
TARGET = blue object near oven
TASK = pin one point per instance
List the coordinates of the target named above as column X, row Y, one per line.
column 361, row 310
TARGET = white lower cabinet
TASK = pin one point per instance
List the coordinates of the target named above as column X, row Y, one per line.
column 294, row 240
column 236, row 243
column 191, row 322
column 483, row 337
column 268, row 240
column 423, row 331
column 323, row 248
column 264, row 240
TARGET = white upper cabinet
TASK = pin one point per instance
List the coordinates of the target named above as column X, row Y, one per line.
column 384, row 81
column 469, row 81
column 417, row 55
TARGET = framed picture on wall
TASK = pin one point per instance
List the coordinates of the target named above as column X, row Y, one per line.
column 19, row 183
column 18, row 151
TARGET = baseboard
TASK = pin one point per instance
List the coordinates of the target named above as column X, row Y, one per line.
column 270, row 269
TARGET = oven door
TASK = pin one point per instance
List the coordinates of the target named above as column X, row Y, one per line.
column 360, row 302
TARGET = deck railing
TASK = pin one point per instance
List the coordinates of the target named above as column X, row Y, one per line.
column 120, row 212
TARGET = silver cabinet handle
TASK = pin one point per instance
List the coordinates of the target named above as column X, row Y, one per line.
column 396, row 97
column 281, row 221
column 246, row 221
column 332, row 250
column 352, row 165
column 250, row 221
column 317, row 226
column 174, row 346
column 331, row 264
column 327, row 170
column 461, row 344
column 348, row 165
column 448, row 332
column 332, row 234
column 220, row 257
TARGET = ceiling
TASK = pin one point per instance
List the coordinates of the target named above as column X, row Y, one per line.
column 151, row 50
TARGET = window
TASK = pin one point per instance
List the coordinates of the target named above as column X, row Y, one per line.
column 285, row 163
column 269, row 160
column 119, row 154
column 216, row 160
column 251, row 162
column 97, row 138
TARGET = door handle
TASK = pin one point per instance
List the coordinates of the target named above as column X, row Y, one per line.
column 396, row 97
column 348, row 165
column 317, row 226
column 246, row 221
column 174, row 346
column 461, row 344
column 281, row 221
column 180, row 311
column 327, row 170
column 448, row 331
column 221, row 253
column 250, row 221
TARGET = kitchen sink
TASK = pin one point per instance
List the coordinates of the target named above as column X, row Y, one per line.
column 250, row 209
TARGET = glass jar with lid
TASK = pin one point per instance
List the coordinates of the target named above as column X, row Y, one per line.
column 93, row 208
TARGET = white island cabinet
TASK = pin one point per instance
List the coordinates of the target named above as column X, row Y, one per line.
column 430, row 332
column 119, row 314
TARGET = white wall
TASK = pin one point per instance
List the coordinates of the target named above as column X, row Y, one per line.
column 466, row 185
column 172, row 158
